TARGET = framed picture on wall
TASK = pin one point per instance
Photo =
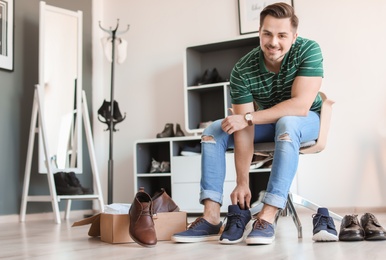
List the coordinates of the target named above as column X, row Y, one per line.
column 249, row 13
column 6, row 34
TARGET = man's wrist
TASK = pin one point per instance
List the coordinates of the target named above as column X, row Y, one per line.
column 248, row 117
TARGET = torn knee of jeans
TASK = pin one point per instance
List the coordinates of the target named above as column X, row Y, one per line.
column 284, row 137
column 207, row 139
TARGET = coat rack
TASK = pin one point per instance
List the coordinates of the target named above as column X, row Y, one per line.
column 111, row 123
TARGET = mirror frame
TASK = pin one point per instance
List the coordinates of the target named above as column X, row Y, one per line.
column 75, row 131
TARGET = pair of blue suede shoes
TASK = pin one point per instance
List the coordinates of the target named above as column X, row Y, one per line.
column 237, row 226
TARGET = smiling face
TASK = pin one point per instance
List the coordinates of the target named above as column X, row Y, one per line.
column 276, row 38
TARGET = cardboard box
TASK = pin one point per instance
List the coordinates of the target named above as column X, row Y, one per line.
column 114, row 228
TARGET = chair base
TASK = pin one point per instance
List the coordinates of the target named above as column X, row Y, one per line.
column 290, row 209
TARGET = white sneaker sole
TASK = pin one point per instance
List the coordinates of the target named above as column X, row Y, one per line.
column 192, row 239
column 259, row 240
column 324, row 236
column 247, row 230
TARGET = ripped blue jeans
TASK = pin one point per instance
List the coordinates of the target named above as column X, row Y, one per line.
column 288, row 133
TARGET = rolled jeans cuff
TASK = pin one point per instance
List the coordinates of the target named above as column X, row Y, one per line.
column 212, row 195
column 274, row 200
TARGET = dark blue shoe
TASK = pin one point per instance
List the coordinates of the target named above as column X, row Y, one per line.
column 263, row 233
column 324, row 228
column 200, row 230
column 237, row 220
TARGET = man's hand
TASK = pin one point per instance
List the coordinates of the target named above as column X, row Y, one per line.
column 233, row 123
column 241, row 195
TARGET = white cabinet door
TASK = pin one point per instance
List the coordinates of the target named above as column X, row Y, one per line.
column 186, row 182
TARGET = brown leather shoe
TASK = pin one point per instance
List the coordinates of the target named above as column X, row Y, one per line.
column 373, row 230
column 163, row 203
column 141, row 228
column 350, row 229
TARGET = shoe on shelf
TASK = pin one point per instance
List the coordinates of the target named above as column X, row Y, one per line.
column 373, row 230
column 74, row 181
column 199, row 231
column 155, row 166
column 210, row 77
column 263, row 233
column 167, row 132
column 236, row 225
column 350, row 229
column 179, row 132
column 63, row 187
column 324, row 227
column 165, row 167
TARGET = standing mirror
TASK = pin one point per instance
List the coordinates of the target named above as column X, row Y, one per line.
column 60, row 76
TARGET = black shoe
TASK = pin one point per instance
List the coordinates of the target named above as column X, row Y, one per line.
column 117, row 113
column 179, row 132
column 63, row 187
column 215, row 77
column 210, row 77
column 104, row 110
column 373, row 230
column 350, row 229
column 167, row 132
column 74, row 181
column 205, row 78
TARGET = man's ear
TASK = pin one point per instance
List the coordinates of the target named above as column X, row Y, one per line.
column 295, row 36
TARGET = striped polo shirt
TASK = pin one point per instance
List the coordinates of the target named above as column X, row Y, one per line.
column 251, row 81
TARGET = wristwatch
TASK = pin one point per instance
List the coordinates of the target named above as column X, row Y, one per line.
column 248, row 117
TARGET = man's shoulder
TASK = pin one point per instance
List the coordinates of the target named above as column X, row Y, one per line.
column 304, row 42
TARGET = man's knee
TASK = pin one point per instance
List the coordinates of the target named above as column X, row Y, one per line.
column 207, row 139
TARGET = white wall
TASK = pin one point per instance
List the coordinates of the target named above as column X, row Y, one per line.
column 149, row 86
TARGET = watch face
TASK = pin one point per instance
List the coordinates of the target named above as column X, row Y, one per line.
column 249, row 117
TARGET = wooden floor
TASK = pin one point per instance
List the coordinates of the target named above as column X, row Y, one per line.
column 43, row 239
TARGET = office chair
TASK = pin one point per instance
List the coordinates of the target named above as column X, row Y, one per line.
column 305, row 148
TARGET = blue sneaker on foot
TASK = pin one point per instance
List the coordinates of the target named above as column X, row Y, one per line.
column 324, row 228
column 237, row 220
column 263, row 233
column 200, row 230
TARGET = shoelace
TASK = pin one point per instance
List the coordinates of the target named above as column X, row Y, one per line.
column 373, row 219
column 322, row 220
column 234, row 219
column 147, row 211
column 195, row 223
column 352, row 220
column 260, row 224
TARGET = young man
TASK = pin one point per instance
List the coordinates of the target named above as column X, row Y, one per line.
column 282, row 76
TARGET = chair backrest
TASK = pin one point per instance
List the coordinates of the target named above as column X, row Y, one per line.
column 325, row 118
column 313, row 146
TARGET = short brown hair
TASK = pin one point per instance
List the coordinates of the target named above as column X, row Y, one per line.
column 280, row 10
